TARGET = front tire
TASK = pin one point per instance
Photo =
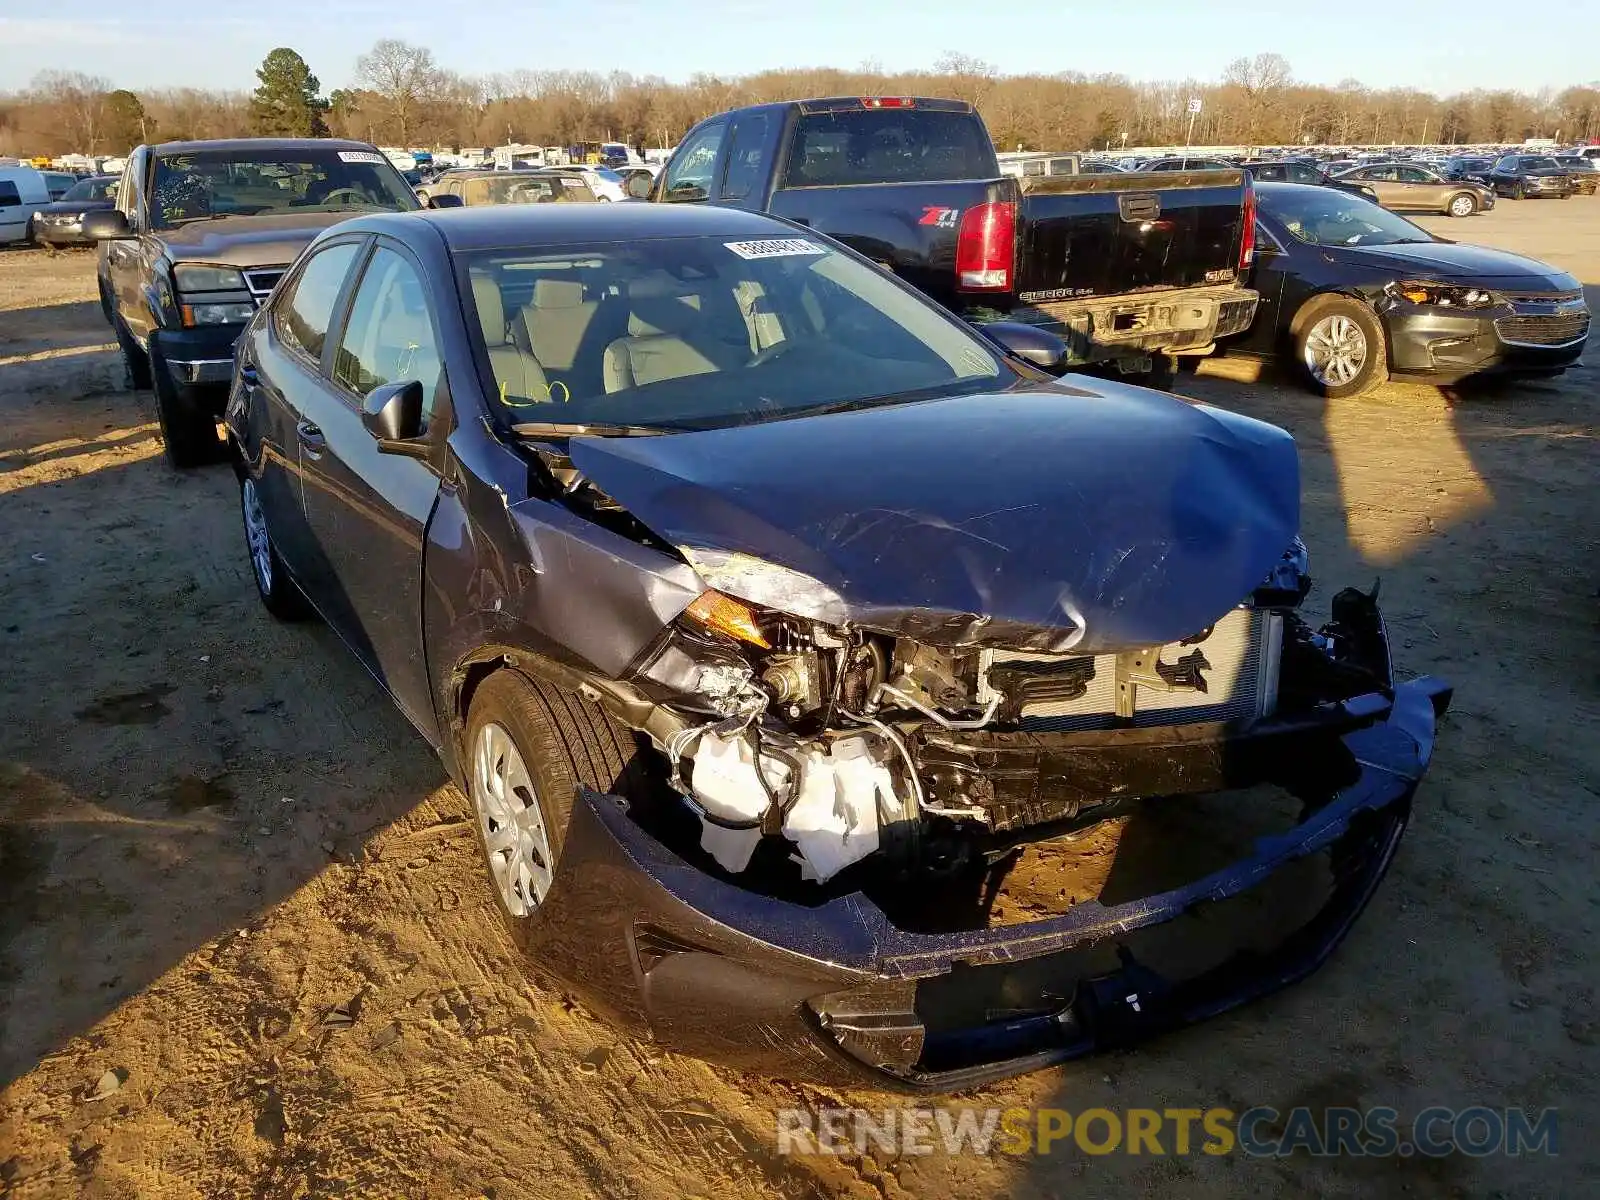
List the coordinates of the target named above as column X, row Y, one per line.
column 529, row 745
column 280, row 594
column 1340, row 346
column 1463, row 204
column 188, row 436
column 1519, row 192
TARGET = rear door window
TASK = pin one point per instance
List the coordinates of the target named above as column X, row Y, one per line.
column 888, row 145
column 9, row 194
column 306, row 310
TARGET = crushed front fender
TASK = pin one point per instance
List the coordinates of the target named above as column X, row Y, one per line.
column 830, row 992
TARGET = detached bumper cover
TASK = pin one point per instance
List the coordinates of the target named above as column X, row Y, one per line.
column 829, row 993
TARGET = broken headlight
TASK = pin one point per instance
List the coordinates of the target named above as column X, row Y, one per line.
column 1289, row 581
column 766, row 584
column 1443, row 295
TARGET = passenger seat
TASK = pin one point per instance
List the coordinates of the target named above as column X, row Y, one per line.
column 517, row 373
column 657, row 347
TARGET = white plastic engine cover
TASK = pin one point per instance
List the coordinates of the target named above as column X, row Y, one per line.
column 726, row 786
column 834, row 820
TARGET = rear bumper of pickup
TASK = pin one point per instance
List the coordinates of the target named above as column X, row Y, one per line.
column 836, row 993
column 1166, row 321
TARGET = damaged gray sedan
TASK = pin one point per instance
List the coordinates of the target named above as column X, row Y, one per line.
column 766, row 613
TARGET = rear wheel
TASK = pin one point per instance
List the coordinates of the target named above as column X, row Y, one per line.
column 1462, row 204
column 280, row 595
column 188, row 435
column 1340, row 344
column 529, row 745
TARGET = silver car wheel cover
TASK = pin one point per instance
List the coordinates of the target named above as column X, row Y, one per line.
column 255, row 532
column 512, row 824
column 1335, row 350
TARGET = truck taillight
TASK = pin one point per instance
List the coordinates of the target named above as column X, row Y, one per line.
column 1247, row 241
column 888, row 102
column 986, row 245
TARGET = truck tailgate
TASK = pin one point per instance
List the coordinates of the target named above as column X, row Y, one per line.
column 1096, row 235
column 910, row 228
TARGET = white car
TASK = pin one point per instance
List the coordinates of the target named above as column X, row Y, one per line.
column 605, row 183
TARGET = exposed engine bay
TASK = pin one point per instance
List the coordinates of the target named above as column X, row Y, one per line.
column 845, row 743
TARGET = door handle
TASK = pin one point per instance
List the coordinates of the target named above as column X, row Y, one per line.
column 311, row 437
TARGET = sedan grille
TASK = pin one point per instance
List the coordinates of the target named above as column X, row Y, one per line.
column 1237, row 668
column 1562, row 330
column 261, row 281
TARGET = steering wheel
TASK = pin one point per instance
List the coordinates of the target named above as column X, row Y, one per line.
column 776, row 350
column 356, row 195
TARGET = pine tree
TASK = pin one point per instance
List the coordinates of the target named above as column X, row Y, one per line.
column 287, row 104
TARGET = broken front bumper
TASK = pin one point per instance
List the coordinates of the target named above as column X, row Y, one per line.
column 831, row 993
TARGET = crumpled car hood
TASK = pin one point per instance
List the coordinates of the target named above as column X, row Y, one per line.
column 1450, row 260
column 249, row 241
column 1049, row 518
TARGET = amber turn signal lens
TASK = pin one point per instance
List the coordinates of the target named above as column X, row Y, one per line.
column 727, row 615
column 1415, row 295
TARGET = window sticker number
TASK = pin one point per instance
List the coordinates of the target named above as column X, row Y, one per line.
column 361, row 156
column 775, row 248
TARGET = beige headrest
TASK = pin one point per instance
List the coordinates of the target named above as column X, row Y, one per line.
column 651, row 315
column 491, row 307
column 557, row 293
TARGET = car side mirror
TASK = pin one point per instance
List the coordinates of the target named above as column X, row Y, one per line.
column 106, row 225
column 639, row 186
column 392, row 413
column 1027, row 342
column 444, row 200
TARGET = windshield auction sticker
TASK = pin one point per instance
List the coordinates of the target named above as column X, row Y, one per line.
column 775, row 248
column 361, row 156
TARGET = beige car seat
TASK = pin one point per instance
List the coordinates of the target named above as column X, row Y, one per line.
column 517, row 373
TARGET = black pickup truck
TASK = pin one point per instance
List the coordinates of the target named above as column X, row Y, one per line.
column 1122, row 266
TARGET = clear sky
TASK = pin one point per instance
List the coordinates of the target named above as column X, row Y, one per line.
column 1435, row 46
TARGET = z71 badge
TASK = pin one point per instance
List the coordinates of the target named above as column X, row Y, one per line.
column 940, row 218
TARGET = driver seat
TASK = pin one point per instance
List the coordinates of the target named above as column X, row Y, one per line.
column 517, row 373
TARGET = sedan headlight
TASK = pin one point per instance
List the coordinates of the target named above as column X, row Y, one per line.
column 229, row 313
column 192, row 278
column 766, row 584
column 1444, row 295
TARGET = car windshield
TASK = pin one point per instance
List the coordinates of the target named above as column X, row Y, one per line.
column 1537, row 164
column 205, row 184
column 703, row 332
column 505, row 188
column 92, row 189
column 1321, row 217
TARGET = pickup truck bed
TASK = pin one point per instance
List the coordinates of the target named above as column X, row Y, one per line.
column 1121, row 266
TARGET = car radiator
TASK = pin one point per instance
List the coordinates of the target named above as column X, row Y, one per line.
column 1231, row 674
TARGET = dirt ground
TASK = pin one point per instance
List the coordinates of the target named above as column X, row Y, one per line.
column 246, row 948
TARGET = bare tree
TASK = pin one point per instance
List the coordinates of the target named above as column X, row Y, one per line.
column 79, row 101
column 403, row 76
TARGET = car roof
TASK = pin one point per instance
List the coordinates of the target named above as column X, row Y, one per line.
column 263, row 144
column 498, row 226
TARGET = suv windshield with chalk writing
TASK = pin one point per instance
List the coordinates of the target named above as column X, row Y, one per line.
column 197, row 185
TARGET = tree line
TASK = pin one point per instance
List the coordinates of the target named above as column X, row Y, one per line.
column 402, row 96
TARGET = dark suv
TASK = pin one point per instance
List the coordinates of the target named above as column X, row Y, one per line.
column 200, row 233
column 1523, row 176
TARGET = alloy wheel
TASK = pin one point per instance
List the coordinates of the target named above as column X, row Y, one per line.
column 1335, row 351
column 255, row 532
column 514, row 834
